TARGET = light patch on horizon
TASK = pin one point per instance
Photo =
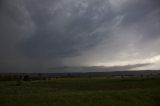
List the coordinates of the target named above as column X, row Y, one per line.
column 152, row 60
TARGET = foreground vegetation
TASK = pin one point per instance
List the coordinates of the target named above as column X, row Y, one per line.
column 81, row 92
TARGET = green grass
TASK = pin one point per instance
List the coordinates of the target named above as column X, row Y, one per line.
column 82, row 92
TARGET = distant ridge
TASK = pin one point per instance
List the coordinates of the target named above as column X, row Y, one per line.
column 89, row 74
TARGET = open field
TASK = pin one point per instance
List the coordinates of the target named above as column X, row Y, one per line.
column 81, row 92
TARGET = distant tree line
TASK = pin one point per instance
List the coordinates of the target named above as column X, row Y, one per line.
column 21, row 77
column 30, row 77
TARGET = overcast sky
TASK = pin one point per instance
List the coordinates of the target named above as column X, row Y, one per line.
column 36, row 35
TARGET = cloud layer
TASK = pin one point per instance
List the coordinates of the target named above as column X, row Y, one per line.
column 37, row 35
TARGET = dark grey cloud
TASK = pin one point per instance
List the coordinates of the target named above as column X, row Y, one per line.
column 36, row 35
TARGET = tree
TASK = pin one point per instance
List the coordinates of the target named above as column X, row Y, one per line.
column 26, row 78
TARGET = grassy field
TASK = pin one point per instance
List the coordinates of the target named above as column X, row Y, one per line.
column 82, row 92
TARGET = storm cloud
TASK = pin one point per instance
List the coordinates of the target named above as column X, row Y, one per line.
column 38, row 35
